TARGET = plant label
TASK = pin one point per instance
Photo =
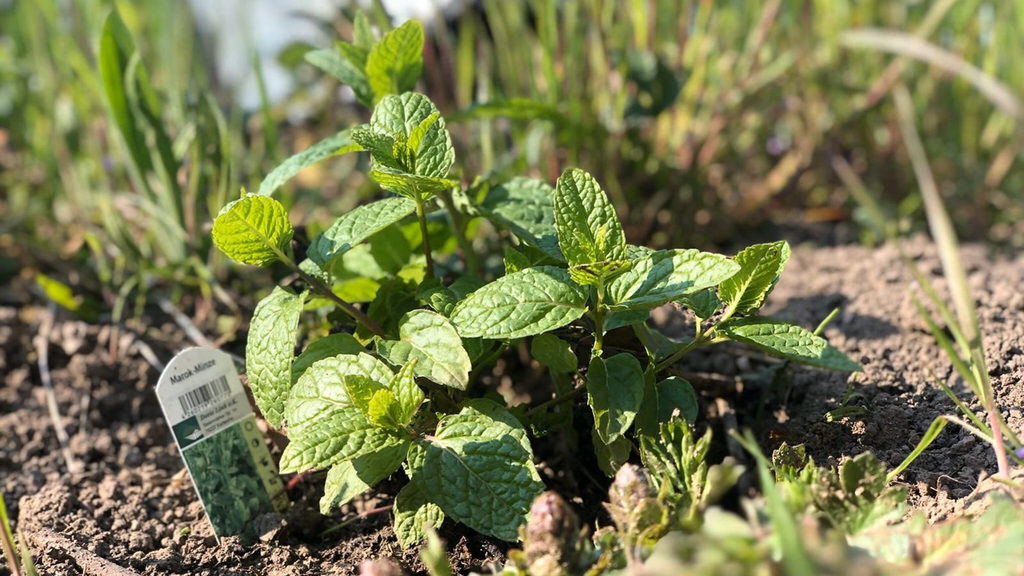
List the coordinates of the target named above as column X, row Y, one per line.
column 206, row 407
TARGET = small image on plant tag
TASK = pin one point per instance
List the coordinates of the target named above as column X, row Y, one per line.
column 209, row 414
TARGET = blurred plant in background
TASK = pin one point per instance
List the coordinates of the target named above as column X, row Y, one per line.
column 118, row 145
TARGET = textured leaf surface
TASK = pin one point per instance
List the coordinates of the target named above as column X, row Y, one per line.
column 252, row 230
column 348, row 479
column 413, row 512
column 400, row 116
column 407, row 392
column 340, row 143
column 334, row 62
column 323, row 389
column 668, row 275
column 384, row 410
column 410, row 185
column 479, row 466
column 395, row 63
column 270, row 349
column 788, row 341
column 553, row 353
column 760, row 267
column 525, row 207
column 345, row 435
column 432, row 341
column 615, row 389
column 588, row 228
column 675, row 393
column 529, row 302
column 704, row 304
column 610, row 457
column 357, row 226
column 331, row 345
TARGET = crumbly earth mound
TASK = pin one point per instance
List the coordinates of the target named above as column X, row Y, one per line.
column 131, row 505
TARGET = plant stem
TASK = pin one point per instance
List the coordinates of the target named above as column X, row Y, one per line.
column 422, row 217
column 558, row 400
column 598, row 315
column 459, row 227
column 325, row 291
column 701, row 340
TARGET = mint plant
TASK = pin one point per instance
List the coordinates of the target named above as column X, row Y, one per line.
column 395, row 388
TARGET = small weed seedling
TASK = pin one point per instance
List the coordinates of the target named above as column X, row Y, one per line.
column 397, row 391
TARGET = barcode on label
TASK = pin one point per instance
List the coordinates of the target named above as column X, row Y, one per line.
column 199, row 397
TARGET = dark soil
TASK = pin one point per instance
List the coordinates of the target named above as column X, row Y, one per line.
column 131, row 506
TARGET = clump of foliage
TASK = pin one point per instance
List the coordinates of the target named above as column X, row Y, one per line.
column 397, row 392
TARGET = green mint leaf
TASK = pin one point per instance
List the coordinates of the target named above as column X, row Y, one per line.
column 674, row 394
column 515, row 260
column 667, row 275
column 350, row 478
column 252, row 230
column 529, row 302
column 553, row 353
column 331, row 345
column 340, row 65
column 658, row 346
column 413, row 512
column 526, row 208
column 270, row 349
column 384, row 410
column 626, row 318
column 704, row 304
column 380, row 146
column 788, row 341
column 354, row 54
column 610, row 457
column 395, row 63
column 407, row 393
column 588, row 229
column 437, row 296
column 340, row 143
column 362, row 33
column 760, row 267
column 430, row 338
column 588, row 274
column 410, row 185
column 322, row 391
column 314, row 270
column 347, row 434
column 615, row 389
column 465, row 285
column 646, row 421
column 412, row 116
column 357, row 226
column 479, row 466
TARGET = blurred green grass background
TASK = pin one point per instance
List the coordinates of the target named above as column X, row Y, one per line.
column 708, row 122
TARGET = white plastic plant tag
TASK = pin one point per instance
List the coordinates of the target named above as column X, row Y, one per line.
column 206, row 407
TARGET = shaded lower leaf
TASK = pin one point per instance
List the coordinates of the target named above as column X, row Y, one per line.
column 480, row 467
column 348, row 479
column 615, row 389
column 413, row 512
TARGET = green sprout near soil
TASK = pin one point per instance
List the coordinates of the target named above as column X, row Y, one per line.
column 352, row 403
